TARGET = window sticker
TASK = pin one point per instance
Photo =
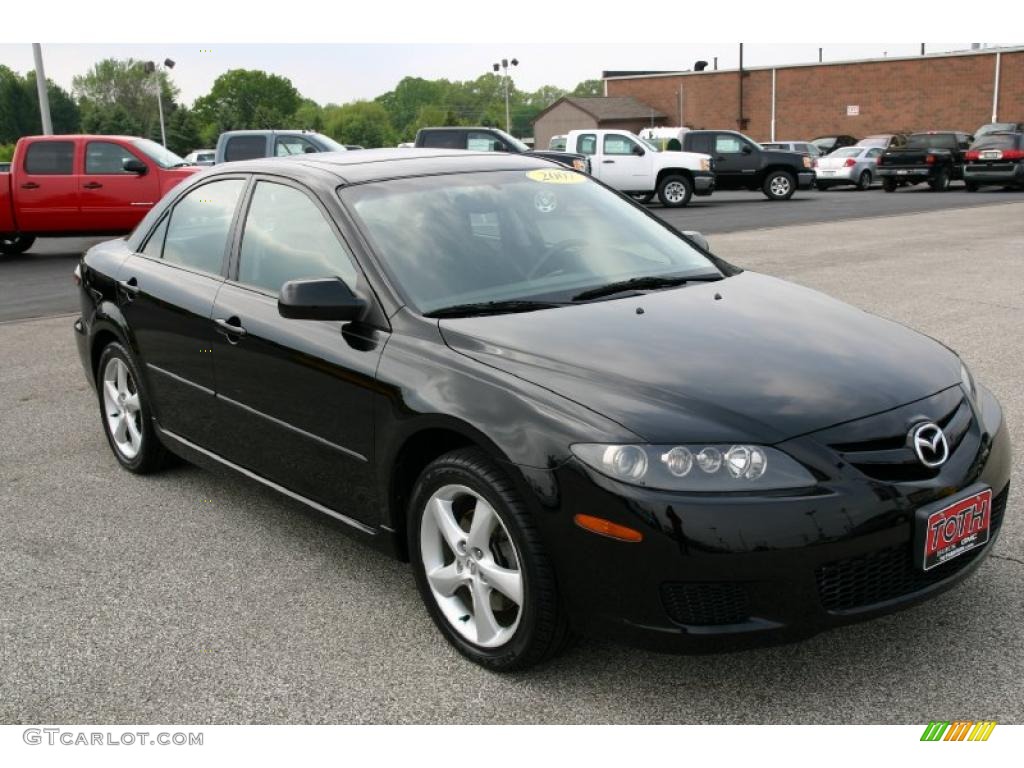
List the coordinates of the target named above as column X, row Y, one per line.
column 554, row 176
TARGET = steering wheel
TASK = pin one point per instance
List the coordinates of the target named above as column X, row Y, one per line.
column 558, row 249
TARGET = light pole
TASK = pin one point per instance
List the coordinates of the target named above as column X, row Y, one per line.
column 503, row 67
column 44, row 96
column 151, row 66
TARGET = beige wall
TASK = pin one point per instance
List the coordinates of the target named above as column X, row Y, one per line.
column 562, row 119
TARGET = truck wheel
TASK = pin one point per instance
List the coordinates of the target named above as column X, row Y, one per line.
column 971, row 186
column 889, row 184
column 11, row 245
column 864, row 182
column 779, row 185
column 644, row 197
column 940, row 181
column 675, row 191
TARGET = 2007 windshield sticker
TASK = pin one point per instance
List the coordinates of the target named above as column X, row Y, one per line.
column 554, row 176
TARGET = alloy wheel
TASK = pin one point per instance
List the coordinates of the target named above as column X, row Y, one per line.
column 675, row 192
column 472, row 566
column 779, row 186
column 121, row 408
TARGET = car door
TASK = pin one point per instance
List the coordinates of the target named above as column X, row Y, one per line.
column 46, row 193
column 166, row 294
column 112, row 199
column 298, row 393
column 735, row 161
column 625, row 165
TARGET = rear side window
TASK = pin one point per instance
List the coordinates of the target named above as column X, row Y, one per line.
column 50, row 157
column 699, row 144
column 443, row 139
column 200, row 222
column 245, row 148
column 287, row 238
column 104, row 157
column 154, row 247
column 587, row 144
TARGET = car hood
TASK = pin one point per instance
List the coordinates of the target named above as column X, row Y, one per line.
column 748, row 358
column 784, row 156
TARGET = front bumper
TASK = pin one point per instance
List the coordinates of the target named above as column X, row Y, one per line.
column 703, row 183
column 805, row 179
column 726, row 571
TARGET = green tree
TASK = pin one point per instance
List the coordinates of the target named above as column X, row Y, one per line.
column 183, row 131
column 64, row 112
column 589, row 88
column 246, row 98
column 116, row 89
column 366, row 123
column 15, row 107
column 309, row 116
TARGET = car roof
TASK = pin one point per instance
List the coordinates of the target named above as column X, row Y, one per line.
column 392, row 163
column 265, row 131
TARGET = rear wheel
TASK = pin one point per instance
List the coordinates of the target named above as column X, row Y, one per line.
column 940, row 181
column 889, row 184
column 643, row 197
column 864, row 181
column 480, row 566
column 675, row 191
column 11, row 245
column 779, row 185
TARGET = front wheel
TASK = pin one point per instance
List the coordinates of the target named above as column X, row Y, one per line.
column 675, row 191
column 864, row 182
column 889, row 184
column 779, row 185
column 480, row 566
column 12, row 245
column 643, row 197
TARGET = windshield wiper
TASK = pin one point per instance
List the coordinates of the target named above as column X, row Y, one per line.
column 643, row 284
column 492, row 308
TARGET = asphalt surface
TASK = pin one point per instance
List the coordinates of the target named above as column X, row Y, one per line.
column 192, row 597
column 38, row 283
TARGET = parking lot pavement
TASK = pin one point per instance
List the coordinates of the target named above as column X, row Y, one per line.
column 39, row 283
column 190, row 597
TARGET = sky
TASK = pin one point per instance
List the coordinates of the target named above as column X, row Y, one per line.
column 340, row 73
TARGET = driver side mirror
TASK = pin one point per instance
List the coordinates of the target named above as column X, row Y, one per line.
column 638, row 150
column 131, row 165
column 325, row 298
column 747, row 149
column 699, row 240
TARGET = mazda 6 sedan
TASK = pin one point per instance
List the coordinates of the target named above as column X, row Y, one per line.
column 568, row 416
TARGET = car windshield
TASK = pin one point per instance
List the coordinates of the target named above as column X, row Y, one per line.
column 649, row 144
column 929, row 140
column 992, row 127
column 158, row 154
column 330, row 145
column 511, row 140
column 999, row 141
column 847, row 152
column 537, row 235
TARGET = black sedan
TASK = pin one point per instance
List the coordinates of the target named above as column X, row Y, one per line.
column 570, row 417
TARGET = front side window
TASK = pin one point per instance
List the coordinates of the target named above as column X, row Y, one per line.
column 728, row 145
column 293, row 145
column 483, row 142
column 616, row 144
column 286, row 238
column 197, row 234
column 587, row 144
column 105, row 158
column 544, row 234
column 50, row 158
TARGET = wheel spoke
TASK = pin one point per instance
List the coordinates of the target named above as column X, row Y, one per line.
column 132, row 403
column 445, row 579
column 445, row 519
column 484, row 522
column 134, row 434
column 110, row 388
column 121, row 428
column 487, row 626
column 122, row 378
column 505, row 580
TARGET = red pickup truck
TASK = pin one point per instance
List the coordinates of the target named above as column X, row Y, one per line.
column 64, row 186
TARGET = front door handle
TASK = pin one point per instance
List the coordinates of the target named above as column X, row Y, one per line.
column 30, row 185
column 92, row 185
column 607, row 161
column 231, row 327
column 129, row 286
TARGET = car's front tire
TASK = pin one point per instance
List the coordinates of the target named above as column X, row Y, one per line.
column 675, row 191
column 125, row 410
column 779, row 185
column 12, row 245
column 480, row 566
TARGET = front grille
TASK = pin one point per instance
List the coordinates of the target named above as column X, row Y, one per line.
column 879, row 446
column 890, row 573
column 705, row 603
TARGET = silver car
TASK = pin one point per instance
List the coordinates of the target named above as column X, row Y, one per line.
column 800, row 147
column 854, row 166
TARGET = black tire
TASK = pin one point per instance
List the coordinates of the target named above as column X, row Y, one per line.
column 821, row 187
column 542, row 631
column 12, row 245
column 889, row 184
column 152, row 456
column 940, row 181
column 644, row 197
column 675, row 191
column 779, row 185
column 864, row 181
column 970, row 186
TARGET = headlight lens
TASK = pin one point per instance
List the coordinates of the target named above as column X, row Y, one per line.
column 807, row 162
column 696, row 467
column 580, row 165
column 967, row 381
column 705, row 163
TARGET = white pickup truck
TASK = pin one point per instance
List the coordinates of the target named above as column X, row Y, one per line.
column 626, row 162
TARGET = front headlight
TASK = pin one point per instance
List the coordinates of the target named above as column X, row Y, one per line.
column 580, row 165
column 696, row 467
column 705, row 163
column 807, row 162
column 967, row 381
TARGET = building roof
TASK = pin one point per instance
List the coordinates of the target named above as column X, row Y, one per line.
column 607, row 107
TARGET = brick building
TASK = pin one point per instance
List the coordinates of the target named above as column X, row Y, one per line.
column 953, row 91
column 573, row 112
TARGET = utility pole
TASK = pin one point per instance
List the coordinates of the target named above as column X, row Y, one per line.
column 44, row 96
column 153, row 68
column 741, row 121
column 503, row 66
column 819, row 55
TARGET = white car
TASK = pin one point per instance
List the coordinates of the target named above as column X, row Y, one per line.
column 201, row 157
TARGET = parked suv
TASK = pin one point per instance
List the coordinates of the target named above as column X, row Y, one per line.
column 250, row 145
column 742, row 163
column 995, row 158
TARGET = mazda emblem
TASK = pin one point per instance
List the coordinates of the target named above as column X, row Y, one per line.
column 929, row 443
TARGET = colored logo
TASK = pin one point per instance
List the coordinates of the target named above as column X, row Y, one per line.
column 958, row 730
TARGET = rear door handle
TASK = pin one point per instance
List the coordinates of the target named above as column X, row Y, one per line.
column 231, row 327
column 607, row 161
column 92, row 185
column 30, row 185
